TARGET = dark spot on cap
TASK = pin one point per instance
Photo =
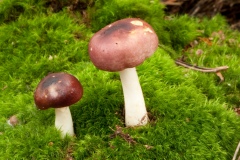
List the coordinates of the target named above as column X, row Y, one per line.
column 50, row 81
column 121, row 26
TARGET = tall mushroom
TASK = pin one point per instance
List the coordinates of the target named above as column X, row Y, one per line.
column 59, row 91
column 121, row 46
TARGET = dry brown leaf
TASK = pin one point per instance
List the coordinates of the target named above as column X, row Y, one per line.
column 206, row 40
column 148, row 147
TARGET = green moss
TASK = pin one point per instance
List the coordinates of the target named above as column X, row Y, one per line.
column 221, row 50
column 175, row 31
column 11, row 9
column 186, row 123
column 31, row 48
column 106, row 12
column 191, row 112
column 30, row 144
column 182, row 30
column 214, row 24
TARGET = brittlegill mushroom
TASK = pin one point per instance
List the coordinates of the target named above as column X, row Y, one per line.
column 59, row 91
column 120, row 47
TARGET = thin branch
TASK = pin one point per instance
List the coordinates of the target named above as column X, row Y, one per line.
column 201, row 69
column 236, row 152
column 125, row 136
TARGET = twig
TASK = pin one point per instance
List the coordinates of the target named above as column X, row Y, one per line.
column 236, row 152
column 204, row 69
column 201, row 69
column 125, row 136
column 180, row 62
column 142, row 119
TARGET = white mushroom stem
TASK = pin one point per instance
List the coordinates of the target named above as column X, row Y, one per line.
column 135, row 109
column 63, row 121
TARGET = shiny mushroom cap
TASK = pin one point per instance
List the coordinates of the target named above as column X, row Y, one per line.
column 123, row 44
column 57, row 90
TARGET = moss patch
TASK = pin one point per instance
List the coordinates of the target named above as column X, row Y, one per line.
column 191, row 112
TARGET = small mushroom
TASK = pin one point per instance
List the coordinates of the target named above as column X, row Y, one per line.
column 59, row 91
column 120, row 47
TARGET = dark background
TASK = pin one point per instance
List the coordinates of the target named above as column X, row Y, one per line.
column 228, row 8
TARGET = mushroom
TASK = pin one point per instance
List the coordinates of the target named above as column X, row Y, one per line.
column 120, row 47
column 59, row 91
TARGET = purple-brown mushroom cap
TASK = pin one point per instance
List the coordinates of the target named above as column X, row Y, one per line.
column 57, row 90
column 123, row 44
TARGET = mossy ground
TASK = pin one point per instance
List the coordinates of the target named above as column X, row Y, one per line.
column 191, row 113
